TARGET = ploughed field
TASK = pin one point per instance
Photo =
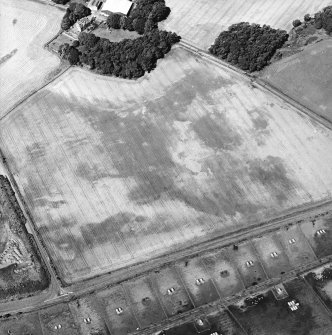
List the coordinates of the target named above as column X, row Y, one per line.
column 24, row 65
column 201, row 21
column 306, row 77
column 115, row 172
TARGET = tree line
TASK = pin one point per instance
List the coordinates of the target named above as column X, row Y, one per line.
column 248, row 46
column 322, row 19
column 125, row 59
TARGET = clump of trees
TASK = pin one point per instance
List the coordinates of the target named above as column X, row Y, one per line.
column 74, row 12
column 322, row 19
column 143, row 18
column 125, row 59
column 248, row 46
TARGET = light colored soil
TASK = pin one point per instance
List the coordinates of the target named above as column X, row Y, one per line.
column 116, row 171
column 306, row 77
column 201, row 21
column 26, row 69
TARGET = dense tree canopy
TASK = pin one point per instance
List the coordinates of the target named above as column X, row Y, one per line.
column 74, row 12
column 126, row 59
column 144, row 17
column 113, row 21
column 61, row 2
column 323, row 19
column 248, row 46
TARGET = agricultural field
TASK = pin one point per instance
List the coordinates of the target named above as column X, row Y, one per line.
column 86, row 313
column 201, row 21
column 112, row 299
column 144, row 301
column 21, row 325
column 115, row 172
column 272, row 255
column 192, row 271
column 174, row 302
column 21, row 271
column 299, row 252
column 274, row 317
column 306, row 77
column 58, row 320
column 25, row 27
column 223, row 272
column 253, row 273
column 319, row 234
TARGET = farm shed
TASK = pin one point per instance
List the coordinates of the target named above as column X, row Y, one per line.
column 116, row 6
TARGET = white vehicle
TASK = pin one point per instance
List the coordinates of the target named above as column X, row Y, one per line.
column 274, row 254
column 249, row 264
column 291, row 241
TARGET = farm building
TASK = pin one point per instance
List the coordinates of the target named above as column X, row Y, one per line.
column 111, row 6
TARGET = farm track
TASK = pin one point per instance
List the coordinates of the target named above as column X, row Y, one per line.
column 121, row 275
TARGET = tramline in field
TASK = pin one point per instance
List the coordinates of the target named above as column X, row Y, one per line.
column 115, row 172
column 201, row 21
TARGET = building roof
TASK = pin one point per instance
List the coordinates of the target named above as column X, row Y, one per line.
column 117, row 6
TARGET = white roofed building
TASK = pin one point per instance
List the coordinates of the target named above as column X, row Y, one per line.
column 116, row 6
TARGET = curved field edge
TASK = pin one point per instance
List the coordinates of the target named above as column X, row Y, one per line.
column 117, row 172
column 201, row 21
column 26, row 27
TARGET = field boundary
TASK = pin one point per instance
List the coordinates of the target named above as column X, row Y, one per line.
column 30, row 95
column 262, row 84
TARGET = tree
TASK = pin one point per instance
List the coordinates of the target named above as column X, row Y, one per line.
column 114, row 20
column 73, row 55
column 307, row 18
column 159, row 12
column 139, row 25
column 296, row 23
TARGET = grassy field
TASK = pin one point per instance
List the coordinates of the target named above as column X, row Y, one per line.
column 201, row 21
column 25, row 26
column 300, row 252
column 60, row 314
column 274, row 266
column 254, row 274
column 25, row 324
column 115, row 172
column 321, row 244
column 112, row 299
column 177, row 302
column 306, row 76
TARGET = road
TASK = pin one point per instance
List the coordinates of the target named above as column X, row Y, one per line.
column 51, row 296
